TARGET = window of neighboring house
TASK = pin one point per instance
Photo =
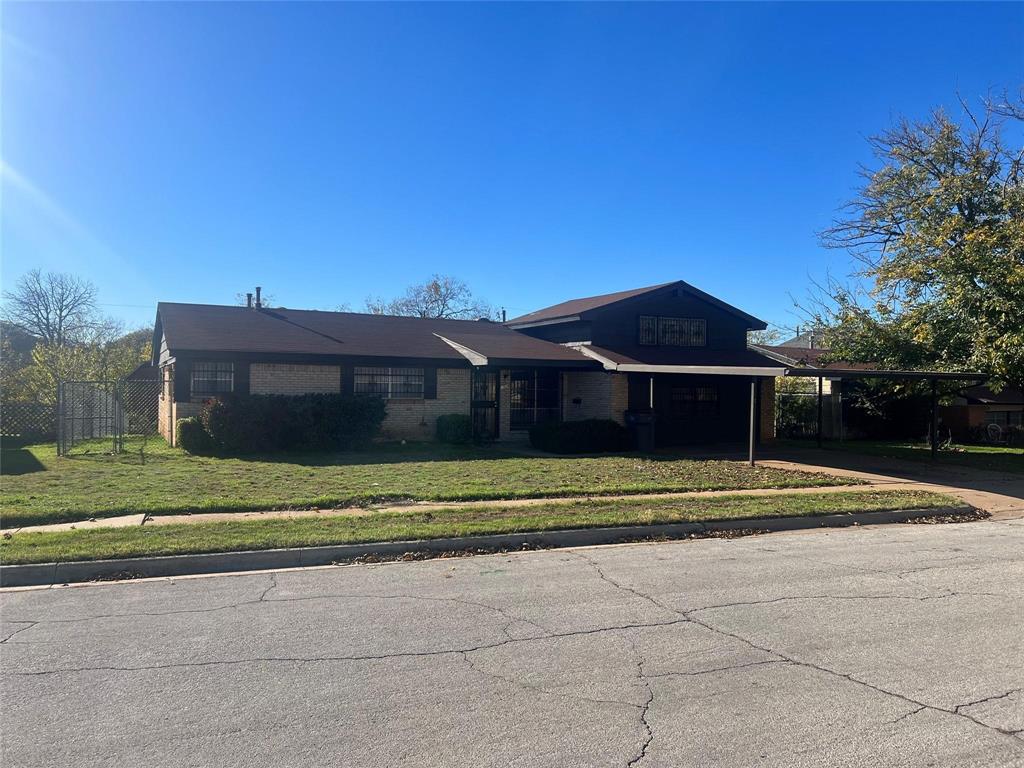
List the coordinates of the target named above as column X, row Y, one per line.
column 694, row 402
column 682, row 332
column 212, row 378
column 533, row 397
column 647, row 332
column 1005, row 418
column 389, row 383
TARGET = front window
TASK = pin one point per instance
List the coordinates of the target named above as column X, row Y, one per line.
column 1005, row 418
column 210, row 379
column 533, row 397
column 389, row 383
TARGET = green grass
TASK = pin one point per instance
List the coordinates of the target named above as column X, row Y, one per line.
column 169, row 481
column 992, row 457
column 227, row 536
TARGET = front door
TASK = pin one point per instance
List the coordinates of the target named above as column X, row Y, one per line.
column 484, row 405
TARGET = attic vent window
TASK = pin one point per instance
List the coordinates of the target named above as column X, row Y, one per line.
column 672, row 331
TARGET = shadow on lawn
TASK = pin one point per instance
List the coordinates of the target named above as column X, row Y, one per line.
column 18, row 461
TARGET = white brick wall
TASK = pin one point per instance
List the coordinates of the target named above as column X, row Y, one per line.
column 416, row 419
column 286, row 379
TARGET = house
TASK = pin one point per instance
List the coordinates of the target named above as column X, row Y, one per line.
column 969, row 415
column 669, row 350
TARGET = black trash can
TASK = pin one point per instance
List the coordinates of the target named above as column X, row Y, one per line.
column 641, row 430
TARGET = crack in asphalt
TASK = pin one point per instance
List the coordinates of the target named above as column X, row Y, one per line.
column 320, row 659
column 538, row 689
column 986, row 700
column 688, row 615
column 644, row 709
column 850, row 678
column 262, row 598
column 17, row 631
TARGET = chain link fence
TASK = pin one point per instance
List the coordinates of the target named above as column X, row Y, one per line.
column 99, row 416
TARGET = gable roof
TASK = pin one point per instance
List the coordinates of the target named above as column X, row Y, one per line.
column 208, row 328
column 574, row 309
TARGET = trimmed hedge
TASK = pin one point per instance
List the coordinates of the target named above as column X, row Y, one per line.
column 455, row 428
column 267, row 423
column 191, row 436
column 587, row 436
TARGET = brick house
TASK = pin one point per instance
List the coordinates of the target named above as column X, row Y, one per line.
column 669, row 350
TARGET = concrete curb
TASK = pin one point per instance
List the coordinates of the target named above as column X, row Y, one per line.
column 221, row 562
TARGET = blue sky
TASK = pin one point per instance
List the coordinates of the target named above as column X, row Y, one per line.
column 539, row 152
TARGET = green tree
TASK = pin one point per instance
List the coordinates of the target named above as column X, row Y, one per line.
column 937, row 230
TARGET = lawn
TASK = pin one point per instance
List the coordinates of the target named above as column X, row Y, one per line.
column 40, row 487
column 993, row 457
column 226, row 536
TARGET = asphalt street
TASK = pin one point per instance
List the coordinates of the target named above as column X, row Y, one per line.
column 888, row 646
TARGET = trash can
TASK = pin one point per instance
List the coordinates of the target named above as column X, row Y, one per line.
column 641, row 430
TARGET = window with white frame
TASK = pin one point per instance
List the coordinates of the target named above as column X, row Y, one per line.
column 389, row 383
column 212, row 378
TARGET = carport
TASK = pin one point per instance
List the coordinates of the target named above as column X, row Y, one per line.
column 933, row 377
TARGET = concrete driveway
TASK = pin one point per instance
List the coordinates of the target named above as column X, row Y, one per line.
column 894, row 646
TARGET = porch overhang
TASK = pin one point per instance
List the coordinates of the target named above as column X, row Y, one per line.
column 747, row 367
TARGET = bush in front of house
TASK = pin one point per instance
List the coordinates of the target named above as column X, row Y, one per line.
column 267, row 423
column 587, row 436
column 455, row 428
column 191, row 436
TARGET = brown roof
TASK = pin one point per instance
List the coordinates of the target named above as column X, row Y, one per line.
column 812, row 357
column 984, row 394
column 213, row 328
column 574, row 307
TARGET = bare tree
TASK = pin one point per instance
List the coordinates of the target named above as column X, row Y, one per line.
column 442, row 296
column 55, row 307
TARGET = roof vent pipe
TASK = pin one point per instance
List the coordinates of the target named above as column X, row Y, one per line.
column 248, row 300
column 259, row 302
column 503, row 314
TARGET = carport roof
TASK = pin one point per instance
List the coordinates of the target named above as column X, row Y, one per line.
column 717, row 362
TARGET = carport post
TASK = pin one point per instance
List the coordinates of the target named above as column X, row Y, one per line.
column 820, row 408
column 753, row 416
column 935, row 421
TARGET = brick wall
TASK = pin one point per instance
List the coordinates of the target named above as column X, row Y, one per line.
column 282, row 379
column 416, row 419
column 601, row 395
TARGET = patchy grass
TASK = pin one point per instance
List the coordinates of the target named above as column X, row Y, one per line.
column 169, row 481
column 999, row 458
column 227, row 536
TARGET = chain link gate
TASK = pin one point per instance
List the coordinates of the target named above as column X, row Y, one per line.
column 91, row 413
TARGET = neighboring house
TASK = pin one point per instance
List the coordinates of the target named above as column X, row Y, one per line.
column 670, row 350
column 969, row 415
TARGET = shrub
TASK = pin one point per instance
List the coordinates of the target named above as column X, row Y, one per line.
column 588, row 436
column 456, row 428
column 265, row 423
column 191, row 436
